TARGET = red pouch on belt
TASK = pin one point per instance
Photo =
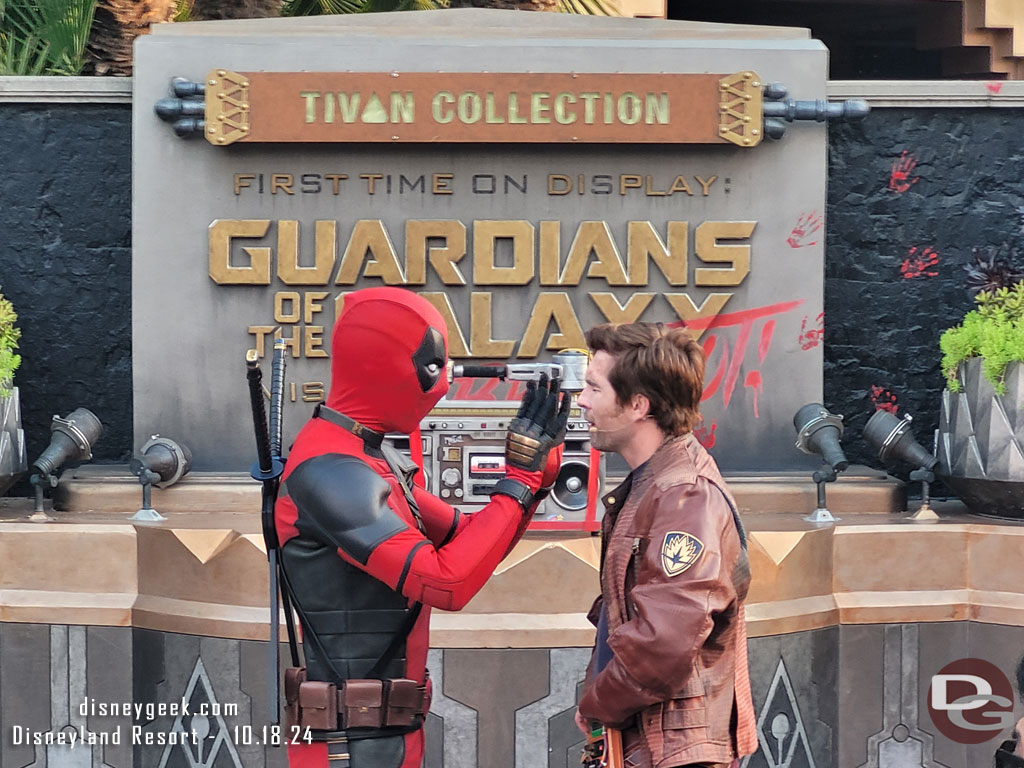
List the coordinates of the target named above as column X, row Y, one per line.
column 405, row 701
column 363, row 702
column 318, row 706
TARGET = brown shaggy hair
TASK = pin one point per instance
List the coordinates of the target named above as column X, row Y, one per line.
column 663, row 364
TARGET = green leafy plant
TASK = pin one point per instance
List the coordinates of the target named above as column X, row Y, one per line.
column 44, row 37
column 9, row 336
column 994, row 330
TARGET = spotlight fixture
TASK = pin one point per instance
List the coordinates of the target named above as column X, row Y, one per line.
column 818, row 431
column 892, row 438
column 161, row 462
column 71, row 440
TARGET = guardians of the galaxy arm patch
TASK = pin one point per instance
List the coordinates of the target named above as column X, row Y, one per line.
column 679, row 552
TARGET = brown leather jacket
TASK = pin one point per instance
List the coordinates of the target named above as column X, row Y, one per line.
column 674, row 575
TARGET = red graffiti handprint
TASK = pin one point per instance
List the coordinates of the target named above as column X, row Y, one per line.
column 920, row 263
column 900, row 179
column 812, row 337
column 806, row 226
column 884, row 400
column 705, row 435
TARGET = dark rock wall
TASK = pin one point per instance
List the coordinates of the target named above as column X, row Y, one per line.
column 65, row 263
column 911, row 191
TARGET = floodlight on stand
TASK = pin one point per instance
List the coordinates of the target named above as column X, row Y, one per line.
column 818, row 432
column 161, row 462
column 892, row 438
column 71, row 439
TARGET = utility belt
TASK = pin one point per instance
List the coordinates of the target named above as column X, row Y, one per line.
column 324, row 706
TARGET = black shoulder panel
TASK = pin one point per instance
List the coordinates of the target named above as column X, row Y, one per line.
column 343, row 502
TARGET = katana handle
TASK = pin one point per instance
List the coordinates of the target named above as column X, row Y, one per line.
column 480, row 371
column 277, row 397
column 259, row 411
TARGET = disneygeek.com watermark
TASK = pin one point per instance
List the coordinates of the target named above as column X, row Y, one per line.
column 971, row 701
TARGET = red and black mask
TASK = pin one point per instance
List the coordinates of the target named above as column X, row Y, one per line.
column 389, row 353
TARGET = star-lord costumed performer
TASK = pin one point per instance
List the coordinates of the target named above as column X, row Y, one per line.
column 669, row 667
column 366, row 552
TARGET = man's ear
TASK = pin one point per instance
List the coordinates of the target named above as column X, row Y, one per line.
column 640, row 406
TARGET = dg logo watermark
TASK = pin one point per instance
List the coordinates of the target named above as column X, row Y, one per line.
column 971, row 701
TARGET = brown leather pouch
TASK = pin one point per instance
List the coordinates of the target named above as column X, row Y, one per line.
column 318, row 705
column 293, row 678
column 364, row 700
column 404, row 702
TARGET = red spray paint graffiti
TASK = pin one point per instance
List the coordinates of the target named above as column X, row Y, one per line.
column 920, row 263
column 884, row 400
column 806, row 226
column 706, row 435
column 900, row 179
column 813, row 336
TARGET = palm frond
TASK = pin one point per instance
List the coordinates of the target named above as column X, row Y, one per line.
column 44, row 36
column 320, row 7
column 588, row 7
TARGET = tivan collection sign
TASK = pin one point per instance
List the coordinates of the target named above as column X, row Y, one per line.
column 526, row 206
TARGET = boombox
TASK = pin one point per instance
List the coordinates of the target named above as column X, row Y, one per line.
column 464, row 456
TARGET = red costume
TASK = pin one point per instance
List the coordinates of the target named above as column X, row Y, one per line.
column 357, row 555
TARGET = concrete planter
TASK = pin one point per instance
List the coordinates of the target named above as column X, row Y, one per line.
column 981, row 441
column 13, row 462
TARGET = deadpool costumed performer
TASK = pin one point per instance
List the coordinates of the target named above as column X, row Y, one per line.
column 366, row 553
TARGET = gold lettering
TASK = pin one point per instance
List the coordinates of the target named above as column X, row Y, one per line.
column 480, row 341
column 485, row 271
column 686, row 310
column 314, row 338
column 313, row 392
column 370, row 236
column 588, row 106
column 550, row 247
column 706, row 185
column 290, row 342
column 552, row 307
column 442, row 183
column 629, row 181
column 615, row 312
column 222, row 232
column 311, row 304
column 680, row 185
column 559, row 184
column 293, row 301
column 456, row 341
column 325, row 249
column 708, row 249
column 652, row 192
column 371, row 181
column 336, row 179
column 442, row 258
column 328, row 107
column 593, row 237
column 644, row 242
column 283, row 182
column 242, row 181
column 261, row 332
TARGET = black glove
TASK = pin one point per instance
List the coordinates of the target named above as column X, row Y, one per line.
column 539, row 426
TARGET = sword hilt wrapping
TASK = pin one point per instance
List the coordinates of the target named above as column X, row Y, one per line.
column 277, row 398
column 259, row 411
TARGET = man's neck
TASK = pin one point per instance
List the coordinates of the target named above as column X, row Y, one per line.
column 647, row 439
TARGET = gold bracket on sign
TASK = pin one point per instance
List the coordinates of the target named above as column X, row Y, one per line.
column 227, row 107
column 739, row 112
